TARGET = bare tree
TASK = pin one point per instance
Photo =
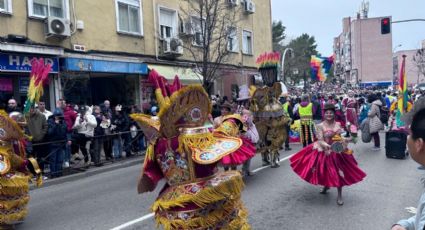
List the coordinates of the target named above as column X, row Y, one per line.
column 211, row 24
column 419, row 60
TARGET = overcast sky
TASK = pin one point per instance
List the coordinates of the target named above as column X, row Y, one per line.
column 323, row 19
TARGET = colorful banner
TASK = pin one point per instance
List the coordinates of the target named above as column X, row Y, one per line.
column 402, row 102
column 320, row 67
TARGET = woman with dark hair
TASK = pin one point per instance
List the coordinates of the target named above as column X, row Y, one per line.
column 328, row 162
column 375, row 124
column 415, row 119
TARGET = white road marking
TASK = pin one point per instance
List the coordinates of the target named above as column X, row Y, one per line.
column 261, row 168
column 125, row 225
column 151, row 215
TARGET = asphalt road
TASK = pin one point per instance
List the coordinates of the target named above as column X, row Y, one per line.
column 275, row 198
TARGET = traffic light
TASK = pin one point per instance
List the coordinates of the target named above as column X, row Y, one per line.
column 385, row 26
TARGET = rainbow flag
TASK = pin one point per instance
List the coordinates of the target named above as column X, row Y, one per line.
column 404, row 97
column 320, row 67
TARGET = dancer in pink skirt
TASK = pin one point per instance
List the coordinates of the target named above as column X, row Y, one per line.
column 328, row 161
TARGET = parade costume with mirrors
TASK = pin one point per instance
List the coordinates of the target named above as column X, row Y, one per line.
column 328, row 161
column 185, row 153
column 15, row 170
column 233, row 126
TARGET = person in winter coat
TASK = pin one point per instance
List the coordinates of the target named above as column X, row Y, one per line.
column 97, row 140
column 84, row 125
column 37, row 126
column 69, row 116
column 416, row 146
column 375, row 124
column 56, row 133
column 119, row 124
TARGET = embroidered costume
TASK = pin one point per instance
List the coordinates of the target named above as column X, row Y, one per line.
column 305, row 110
column 232, row 126
column 185, row 153
column 335, row 167
column 15, row 172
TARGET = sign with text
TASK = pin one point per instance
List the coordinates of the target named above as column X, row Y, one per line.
column 22, row 62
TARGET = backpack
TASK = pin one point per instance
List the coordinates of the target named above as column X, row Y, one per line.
column 384, row 114
column 364, row 127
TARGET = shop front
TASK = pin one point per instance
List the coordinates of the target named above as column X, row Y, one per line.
column 86, row 81
column 15, row 71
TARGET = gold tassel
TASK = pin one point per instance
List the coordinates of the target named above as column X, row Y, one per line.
column 11, row 204
column 199, row 140
column 227, row 189
column 14, row 186
column 13, row 217
column 211, row 220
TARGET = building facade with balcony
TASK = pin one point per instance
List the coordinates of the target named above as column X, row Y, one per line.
column 102, row 49
column 363, row 56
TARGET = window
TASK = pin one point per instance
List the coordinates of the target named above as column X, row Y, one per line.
column 5, row 6
column 198, row 26
column 167, row 23
column 46, row 8
column 247, row 42
column 232, row 39
column 128, row 16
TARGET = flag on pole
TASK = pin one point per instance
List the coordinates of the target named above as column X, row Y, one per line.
column 320, row 67
column 402, row 102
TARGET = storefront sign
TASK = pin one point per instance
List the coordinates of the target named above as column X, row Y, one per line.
column 22, row 63
column 91, row 65
column 24, row 83
column 6, row 85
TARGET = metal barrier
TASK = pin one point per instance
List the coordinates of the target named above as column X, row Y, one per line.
column 46, row 159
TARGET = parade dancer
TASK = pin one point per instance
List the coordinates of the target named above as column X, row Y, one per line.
column 305, row 111
column 186, row 153
column 328, row 162
column 351, row 107
column 235, row 126
column 15, row 170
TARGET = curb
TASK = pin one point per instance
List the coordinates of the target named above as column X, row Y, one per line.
column 91, row 172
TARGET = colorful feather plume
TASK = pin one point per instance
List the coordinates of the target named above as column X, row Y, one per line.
column 320, row 67
column 38, row 79
column 268, row 60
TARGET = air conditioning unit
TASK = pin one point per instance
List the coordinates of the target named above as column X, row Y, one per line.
column 57, row 27
column 172, row 46
column 186, row 28
column 232, row 2
column 249, row 6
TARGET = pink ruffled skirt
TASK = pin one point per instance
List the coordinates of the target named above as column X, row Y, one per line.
column 245, row 152
column 333, row 170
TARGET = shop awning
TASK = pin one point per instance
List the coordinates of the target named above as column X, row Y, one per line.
column 102, row 66
column 186, row 75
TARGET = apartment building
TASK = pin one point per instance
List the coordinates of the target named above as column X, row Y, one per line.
column 103, row 49
column 363, row 56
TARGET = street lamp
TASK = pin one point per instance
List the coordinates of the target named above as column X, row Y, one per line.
column 399, row 45
column 283, row 62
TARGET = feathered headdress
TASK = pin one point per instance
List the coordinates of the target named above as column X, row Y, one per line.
column 38, row 79
column 268, row 64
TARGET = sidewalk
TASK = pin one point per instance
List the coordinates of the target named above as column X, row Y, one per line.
column 107, row 167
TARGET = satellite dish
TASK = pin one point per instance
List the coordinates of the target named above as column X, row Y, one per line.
column 57, row 26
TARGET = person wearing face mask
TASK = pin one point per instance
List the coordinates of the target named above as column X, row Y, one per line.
column 328, row 162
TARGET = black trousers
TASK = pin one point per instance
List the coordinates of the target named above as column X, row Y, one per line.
column 81, row 141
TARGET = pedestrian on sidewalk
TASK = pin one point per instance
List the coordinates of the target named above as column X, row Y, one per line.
column 416, row 146
column 84, row 125
column 97, row 140
column 57, row 135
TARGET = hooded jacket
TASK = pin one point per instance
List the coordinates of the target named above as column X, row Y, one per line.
column 85, row 124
